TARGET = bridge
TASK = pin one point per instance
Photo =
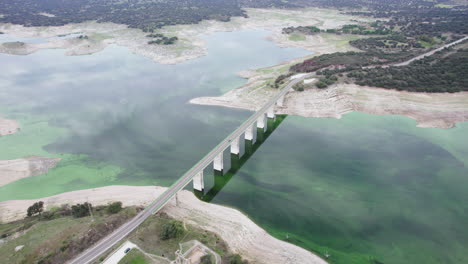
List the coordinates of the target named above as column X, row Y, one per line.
column 195, row 174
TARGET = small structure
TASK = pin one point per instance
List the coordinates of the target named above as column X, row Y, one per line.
column 192, row 251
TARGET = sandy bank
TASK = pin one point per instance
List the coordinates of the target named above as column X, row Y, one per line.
column 8, row 126
column 242, row 235
column 190, row 44
column 437, row 110
column 13, row 170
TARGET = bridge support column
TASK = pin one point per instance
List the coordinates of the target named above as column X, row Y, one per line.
column 235, row 146
column 198, row 183
column 261, row 121
column 218, row 162
column 271, row 112
column 249, row 133
column 280, row 101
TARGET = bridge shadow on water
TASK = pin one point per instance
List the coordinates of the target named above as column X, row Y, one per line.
column 222, row 178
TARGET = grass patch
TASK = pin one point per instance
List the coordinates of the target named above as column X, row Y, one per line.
column 147, row 236
column 297, row 37
column 58, row 239
column 135, row 256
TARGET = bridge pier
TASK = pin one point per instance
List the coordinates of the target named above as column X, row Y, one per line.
column 235, row 146
column 271, row 112
column 261, row 121
column 198, row 183
column 218, row 162
column 249, row 133
column 280, row 101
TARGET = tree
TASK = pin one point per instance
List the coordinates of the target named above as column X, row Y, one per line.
column 207, row 259
column 114, row 207
column 36, row 208
column 172, row 229
column 237, row 259
column 81, row 210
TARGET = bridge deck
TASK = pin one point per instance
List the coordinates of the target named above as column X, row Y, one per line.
column 107, row 242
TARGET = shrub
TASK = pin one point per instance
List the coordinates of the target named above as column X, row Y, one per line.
column 114, row 207
column 36, row 208
column 172, row 229
column 207, row 259
column 81, row 210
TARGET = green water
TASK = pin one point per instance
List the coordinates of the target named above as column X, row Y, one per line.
column 363, row 189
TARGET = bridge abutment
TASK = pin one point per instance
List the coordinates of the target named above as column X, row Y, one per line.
column 280, row 101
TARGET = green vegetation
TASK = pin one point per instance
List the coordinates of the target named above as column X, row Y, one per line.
column 36, row 208
column 207, row 259
column 437, row 73
column 237, row 259
column 172, row 229
column 297, row 37
column 326, row 81
column 81, row 210
column 55, row 236
column 135, row 256
column 161, row 39
column 149, row 237
column 114, row 207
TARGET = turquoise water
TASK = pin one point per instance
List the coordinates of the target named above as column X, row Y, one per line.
column 362, row 189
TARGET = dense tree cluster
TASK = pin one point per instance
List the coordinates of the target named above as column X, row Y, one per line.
column 148, row 14
column 307, row 30
column 431, row 74
column 161, row 39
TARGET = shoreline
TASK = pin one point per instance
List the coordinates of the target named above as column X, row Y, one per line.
column 241, row 234
column 190, row 44
column 430, row 110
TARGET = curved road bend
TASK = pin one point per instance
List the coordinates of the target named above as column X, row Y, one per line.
column 107, row 242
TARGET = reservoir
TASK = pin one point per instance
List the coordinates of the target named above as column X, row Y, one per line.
column 361, row 189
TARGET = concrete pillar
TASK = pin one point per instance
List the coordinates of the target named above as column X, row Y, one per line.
column 235, row 146
column 261, row 121
column 249, row 133
column 218, row 162
column 198, row 183
column 280, row 101
column 271, row 112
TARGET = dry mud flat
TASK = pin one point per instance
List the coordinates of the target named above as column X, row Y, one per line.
column 13, row 170
column 189, row 46
column 241, row 234
column 8, row 126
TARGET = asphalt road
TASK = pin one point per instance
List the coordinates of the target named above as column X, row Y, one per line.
column 107, row 242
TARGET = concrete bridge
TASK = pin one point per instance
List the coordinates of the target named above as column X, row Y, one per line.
column 244, row 133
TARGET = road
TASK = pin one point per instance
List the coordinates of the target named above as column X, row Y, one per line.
column 107, row 242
